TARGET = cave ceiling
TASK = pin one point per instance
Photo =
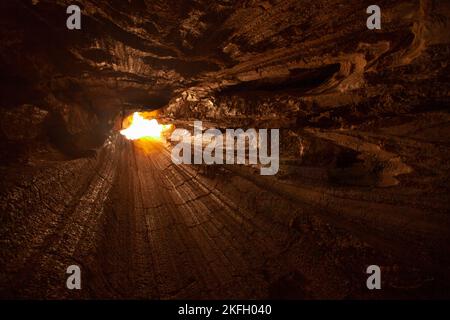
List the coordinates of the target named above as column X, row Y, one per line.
column 186, row 55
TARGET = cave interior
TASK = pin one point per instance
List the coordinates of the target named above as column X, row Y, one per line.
column 363, row 159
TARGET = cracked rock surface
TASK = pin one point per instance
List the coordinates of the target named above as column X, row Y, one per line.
column 364, row 149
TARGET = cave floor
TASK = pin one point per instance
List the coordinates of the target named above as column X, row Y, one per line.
column 141, row 227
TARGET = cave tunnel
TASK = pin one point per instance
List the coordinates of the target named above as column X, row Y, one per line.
column 89, row 178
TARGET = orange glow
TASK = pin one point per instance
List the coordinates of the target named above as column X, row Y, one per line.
column 143, row 128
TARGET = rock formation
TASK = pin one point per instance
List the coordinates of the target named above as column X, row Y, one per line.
column 364, row 163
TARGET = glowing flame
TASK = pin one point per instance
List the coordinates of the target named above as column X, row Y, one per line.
column 143, row 128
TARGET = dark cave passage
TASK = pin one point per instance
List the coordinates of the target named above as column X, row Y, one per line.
column 362, row 156
column 142, row 227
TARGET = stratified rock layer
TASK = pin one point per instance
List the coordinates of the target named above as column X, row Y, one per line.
column 364, row 168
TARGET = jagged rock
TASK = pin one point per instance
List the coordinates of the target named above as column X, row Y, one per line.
column 364, row 154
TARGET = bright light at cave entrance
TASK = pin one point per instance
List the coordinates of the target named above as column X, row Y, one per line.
column 143, row 128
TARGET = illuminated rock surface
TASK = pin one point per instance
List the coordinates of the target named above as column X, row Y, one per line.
column 364, row 166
